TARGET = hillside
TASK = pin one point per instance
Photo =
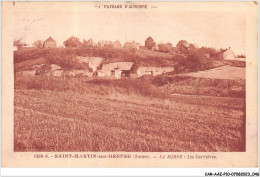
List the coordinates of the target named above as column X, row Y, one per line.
column 140, row 57
column 182, row 63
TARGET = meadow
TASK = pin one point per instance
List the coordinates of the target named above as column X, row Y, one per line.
column 123, row 115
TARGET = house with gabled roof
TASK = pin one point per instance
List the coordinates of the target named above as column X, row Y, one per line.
column 49, row 43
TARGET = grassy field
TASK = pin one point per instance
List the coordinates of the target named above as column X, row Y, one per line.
column 224, row 72
column 224, row 81
column 113, row 116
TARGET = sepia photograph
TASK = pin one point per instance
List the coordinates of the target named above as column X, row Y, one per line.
column 128, row 77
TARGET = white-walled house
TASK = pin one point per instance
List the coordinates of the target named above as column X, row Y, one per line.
column 116, row 70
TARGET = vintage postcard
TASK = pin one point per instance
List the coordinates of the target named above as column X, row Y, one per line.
column 129, row 84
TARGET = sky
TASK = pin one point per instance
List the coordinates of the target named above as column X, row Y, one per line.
column 210, row 28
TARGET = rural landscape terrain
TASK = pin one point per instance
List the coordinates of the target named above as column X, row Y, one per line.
column 112, row 97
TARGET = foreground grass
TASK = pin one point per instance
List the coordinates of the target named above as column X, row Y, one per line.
column 51, row 120
column 175, row 84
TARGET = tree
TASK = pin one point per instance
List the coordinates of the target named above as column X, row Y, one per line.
column 38, row 44
column 149, row 43
column 210, row 52
column 241, row 56
column 192, row 47
column 183, row 46
column 88, row 43
column 165, row 47
column 117, row 44
column 19, row 44
column 72, row 42
column 67, row 60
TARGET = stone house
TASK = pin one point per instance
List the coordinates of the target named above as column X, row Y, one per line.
column 116, row 70
column 49, row 43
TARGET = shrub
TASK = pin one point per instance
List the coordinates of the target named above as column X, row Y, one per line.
column 81, row 85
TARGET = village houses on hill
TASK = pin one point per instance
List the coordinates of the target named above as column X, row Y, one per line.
column 113, row 70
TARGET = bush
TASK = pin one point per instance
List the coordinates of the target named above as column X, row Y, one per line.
column 84, row 85
column 200, row 86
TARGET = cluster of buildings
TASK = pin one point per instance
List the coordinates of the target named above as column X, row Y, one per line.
column 113, row 70
column 51, row 43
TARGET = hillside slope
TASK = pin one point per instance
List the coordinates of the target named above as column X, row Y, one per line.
column 140, row 57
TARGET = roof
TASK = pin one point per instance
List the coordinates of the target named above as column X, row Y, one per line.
column 50, row 39
column 228, row 54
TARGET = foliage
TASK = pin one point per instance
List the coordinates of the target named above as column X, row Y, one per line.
column 183, row 46
column 64, row 58
column 117, row 44
column 72, row 42
column 87, row 43
column 211, row 53
column 165, row 47
column 241, row 56
column 38, row 44
column 200, row 86
column 19, row 44
column 23, row 55
column 149, row 43
column 108, row 45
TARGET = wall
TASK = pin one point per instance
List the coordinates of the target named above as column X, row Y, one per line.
column 154, row 70
column 50, row 44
